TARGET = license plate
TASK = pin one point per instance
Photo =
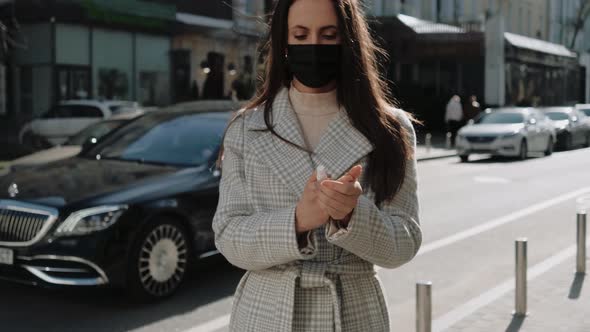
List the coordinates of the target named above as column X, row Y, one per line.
column 6, row 256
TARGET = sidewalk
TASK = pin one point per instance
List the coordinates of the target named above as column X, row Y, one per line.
column 437, row 150
column 557, row 301
column 435, row 153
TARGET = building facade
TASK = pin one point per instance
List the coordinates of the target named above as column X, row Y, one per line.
column 82, row 49
column 497, row 50
column 215, row 50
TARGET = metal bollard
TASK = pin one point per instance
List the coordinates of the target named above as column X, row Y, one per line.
column 428, row 142
column 581, row 236
column 521, row 277
column 448, row 142
column 424, row 306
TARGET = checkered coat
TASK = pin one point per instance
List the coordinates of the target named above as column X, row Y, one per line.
column 331, row 285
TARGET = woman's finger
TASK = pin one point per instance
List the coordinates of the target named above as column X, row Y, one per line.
column 337, row 209
column 347, row 200
column 348, row 188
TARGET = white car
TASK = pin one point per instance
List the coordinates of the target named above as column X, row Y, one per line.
column 511, row 132
column 571, row 126
column 68, row 118
column 585, row 110
column 74, row 144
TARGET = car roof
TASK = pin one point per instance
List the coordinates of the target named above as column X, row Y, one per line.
column 562, row 109
column 202, row 106
column 522, row 110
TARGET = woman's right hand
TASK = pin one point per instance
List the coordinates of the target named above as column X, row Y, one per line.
column 309, row 214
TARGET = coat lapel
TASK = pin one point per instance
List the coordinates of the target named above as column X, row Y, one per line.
column 340, row 147
column 290, row 164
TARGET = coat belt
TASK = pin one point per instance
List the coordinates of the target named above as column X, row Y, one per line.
column 312, row 274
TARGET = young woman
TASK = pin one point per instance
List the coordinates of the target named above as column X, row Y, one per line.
column 309, row 243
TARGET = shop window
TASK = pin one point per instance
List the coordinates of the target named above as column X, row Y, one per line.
column 73, row 82
column 26, row 90
column 113, row 84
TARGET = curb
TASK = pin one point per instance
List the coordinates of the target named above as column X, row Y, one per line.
column 436, row 157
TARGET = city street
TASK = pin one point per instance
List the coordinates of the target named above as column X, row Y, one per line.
column 470, row 213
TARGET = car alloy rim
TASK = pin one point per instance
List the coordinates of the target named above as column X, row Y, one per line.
column 162, row 260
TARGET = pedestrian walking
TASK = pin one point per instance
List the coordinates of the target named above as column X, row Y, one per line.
column 318, row 179
column 453, row 117
column 472, row 108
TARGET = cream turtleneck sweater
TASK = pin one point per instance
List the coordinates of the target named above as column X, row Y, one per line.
column 314, row 112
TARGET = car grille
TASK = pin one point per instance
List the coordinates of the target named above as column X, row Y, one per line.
column 20, row 226
column 480, row 139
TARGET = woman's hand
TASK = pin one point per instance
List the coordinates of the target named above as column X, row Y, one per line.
column 339, row 198
column 309, row 214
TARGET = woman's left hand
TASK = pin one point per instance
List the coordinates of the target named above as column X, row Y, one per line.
column 339, row 197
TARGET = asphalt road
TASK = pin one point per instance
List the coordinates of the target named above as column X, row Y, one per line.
column 470, row 213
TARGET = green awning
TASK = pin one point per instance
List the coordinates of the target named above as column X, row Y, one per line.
column 139, row 8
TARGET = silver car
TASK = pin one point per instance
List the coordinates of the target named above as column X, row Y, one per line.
column 510, row 132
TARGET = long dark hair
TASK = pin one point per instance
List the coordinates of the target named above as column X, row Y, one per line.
column 361, row 90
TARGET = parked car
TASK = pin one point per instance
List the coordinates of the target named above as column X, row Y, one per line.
column 74, row 144
column 134, row 210
column 68, row 118
column 584, row 109
column 571, row 126
column 512, row 132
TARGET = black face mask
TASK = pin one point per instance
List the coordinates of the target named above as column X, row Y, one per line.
column 314, row 65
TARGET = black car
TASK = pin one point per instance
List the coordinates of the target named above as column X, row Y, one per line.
column 134, row 210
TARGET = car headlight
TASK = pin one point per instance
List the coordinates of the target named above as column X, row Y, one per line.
column 90, row 220
column 510, row 135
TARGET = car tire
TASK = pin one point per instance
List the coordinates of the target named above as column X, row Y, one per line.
column 524, row 150
column 569, row 142
column 587, row 140
column 549, row 149
column 159, row 260
column 464, row 158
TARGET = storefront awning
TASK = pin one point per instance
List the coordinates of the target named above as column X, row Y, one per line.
column 426, row 27
column 537, row 45
column 204, row 21
column 136, row 8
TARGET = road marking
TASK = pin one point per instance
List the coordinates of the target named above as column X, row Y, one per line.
column 213, row 325
column 490, row 179
column 501, row 221
column 224, row 320
column 450, row 318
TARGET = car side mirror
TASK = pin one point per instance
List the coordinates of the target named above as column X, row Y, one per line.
column 89, row 143
column 471, row 122
column 532, row 122
column 575, row 119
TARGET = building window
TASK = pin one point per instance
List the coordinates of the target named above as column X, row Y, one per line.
column 113, row 84
column 73, row 82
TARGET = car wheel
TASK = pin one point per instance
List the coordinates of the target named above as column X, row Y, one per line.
column 524, row 151
column 159, row 260
column 569, row 142
column 549, row 150
column 464, row 158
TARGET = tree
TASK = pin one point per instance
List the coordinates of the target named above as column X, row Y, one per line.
column 583, row 13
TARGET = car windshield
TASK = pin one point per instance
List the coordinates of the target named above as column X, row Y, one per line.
column 185, row 139
column 586, row 111
column 96, row 130
column 557, row 116
column 500, row 117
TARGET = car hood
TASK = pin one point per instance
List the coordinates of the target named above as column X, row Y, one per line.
column 491, row 129
column 76, row 180
column 560, row 123
column 46, row 156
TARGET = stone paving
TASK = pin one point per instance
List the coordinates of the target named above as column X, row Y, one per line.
column 558, row 300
